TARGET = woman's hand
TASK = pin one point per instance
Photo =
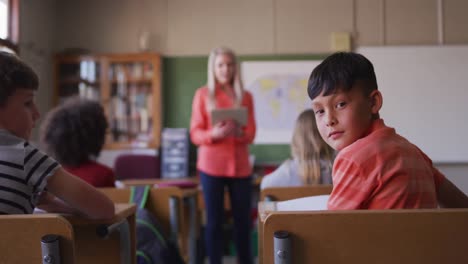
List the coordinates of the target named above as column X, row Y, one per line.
column 224, row 129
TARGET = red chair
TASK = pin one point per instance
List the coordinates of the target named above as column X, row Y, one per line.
column 137, row 166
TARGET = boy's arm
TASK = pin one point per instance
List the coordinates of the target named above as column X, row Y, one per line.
column 77, row 196
column 51, row 204
column 449, row 196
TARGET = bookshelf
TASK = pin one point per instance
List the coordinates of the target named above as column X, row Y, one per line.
column 127, row 85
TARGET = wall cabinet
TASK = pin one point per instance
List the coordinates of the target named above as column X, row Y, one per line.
column 127, row 85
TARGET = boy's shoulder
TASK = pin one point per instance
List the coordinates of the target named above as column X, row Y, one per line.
column 8, row 139
column 379, row 141
column 378, row 147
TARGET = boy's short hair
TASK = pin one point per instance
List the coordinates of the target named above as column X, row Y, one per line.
column 341, row 71
column 15, row 74
column 75, row 131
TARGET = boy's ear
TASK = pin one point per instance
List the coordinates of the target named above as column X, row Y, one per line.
column 376, row 101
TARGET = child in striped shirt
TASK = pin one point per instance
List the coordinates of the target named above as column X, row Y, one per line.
column 28, row 177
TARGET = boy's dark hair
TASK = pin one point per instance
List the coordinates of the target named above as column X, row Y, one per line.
column 74, row 131
column 341, row 71
column 15, row 74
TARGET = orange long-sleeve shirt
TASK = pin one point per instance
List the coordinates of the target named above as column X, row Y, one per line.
column 228, row 157
column 383, row 170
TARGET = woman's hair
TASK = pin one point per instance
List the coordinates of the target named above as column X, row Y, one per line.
column 308, row 148
column 75, row 131
column 236, row 80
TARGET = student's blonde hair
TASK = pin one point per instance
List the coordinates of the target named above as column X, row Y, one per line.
column 308, row 148
column 235, row 82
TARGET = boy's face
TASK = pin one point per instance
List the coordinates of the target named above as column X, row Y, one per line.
column 344, row 117
column 19, row 114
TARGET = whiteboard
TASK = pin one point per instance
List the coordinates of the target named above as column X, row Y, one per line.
column 425, row 96
column 279, row 90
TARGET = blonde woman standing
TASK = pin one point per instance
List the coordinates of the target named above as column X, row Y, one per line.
column 223, row 154
column 311, row 161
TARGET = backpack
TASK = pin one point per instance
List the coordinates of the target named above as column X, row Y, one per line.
column 153, row 247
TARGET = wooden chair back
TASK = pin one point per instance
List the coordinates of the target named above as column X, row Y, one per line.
column 370, row 236
column 21, row 237
column 90, row 248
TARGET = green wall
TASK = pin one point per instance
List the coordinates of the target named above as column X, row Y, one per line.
column 183, row 75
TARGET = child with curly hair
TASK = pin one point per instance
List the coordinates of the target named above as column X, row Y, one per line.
column 74, row 134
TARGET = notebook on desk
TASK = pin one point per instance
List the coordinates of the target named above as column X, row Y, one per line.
column 310, row 203
column 237, row 114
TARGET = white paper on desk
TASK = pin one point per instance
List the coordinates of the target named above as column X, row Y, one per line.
column 310, row 203
column 119, row 184
column 39, row 211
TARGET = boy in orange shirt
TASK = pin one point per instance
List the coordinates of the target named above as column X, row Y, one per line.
column 375, row 168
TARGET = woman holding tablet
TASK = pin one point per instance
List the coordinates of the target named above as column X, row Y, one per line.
column 223, row 154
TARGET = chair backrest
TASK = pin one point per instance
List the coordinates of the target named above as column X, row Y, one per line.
column 137, row 166
column 370, row 236
column 288, row 193
column 92, row 247
column 21, row 237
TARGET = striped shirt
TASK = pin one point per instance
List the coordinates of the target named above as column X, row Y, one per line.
column 24, row 171
column 383, row 170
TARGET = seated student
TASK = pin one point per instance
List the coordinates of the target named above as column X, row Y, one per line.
column 311, row 161
column 74, row 133
column 375, row 168
column 29, row 177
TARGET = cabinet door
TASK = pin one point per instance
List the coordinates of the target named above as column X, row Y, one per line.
column 78, row 76
column 131, row 103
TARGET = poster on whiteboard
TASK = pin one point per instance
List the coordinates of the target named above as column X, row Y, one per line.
column 279, row 89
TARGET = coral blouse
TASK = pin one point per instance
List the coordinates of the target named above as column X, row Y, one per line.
column 228, row 157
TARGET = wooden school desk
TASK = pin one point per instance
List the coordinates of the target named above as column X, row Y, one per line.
column 194, row 211
column 156, row 182
column 176, row 210
column 419, row 236
column 91, row 248
column 78, row 242
column 195, row 180
column 138, row 182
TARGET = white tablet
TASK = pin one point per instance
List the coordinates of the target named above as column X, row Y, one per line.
column 237, row 114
